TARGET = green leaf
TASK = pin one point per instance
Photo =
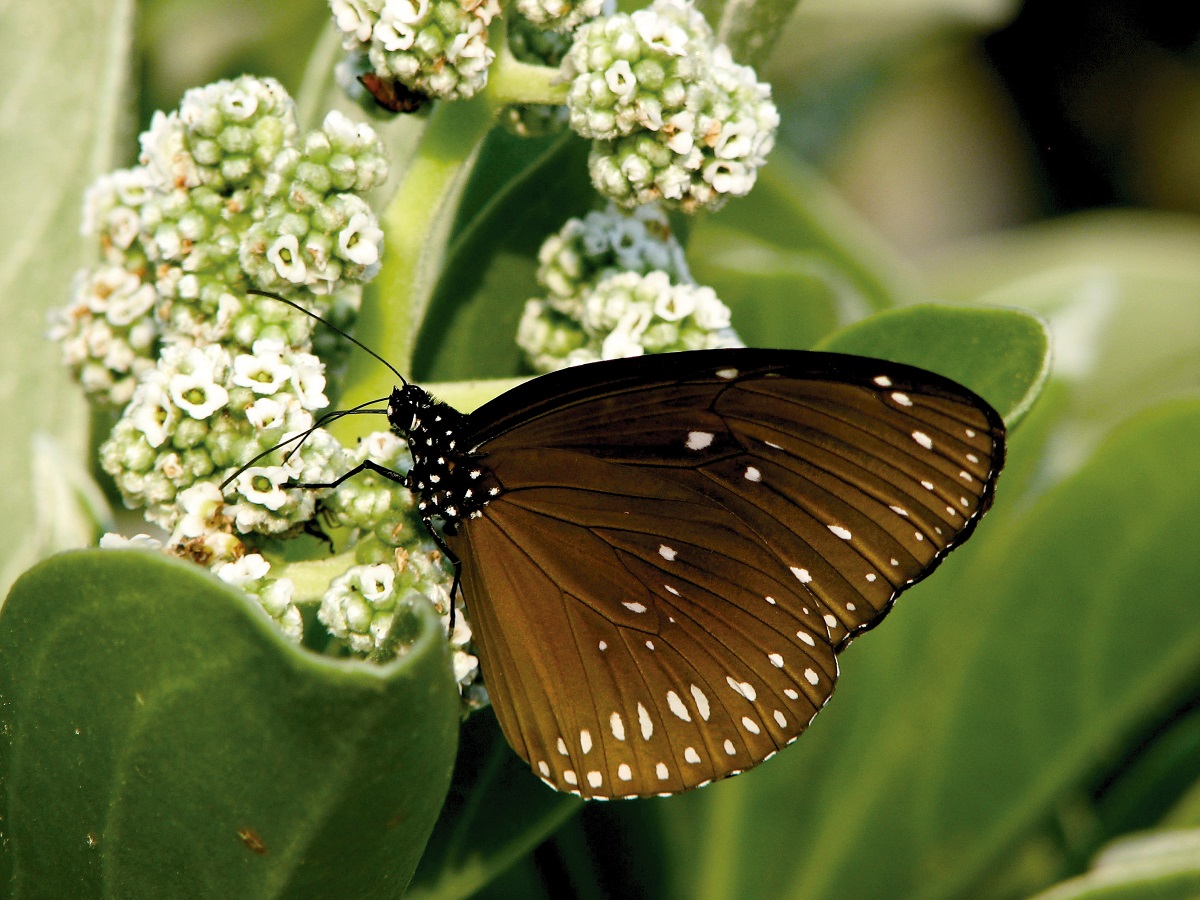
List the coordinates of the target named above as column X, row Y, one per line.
column 786, row 299
column 497, row 812
column 1001, row 354
column 471, row 329
column 793, row 209
column 976, row 710
column 748, row 29
column 160, row 738
column 1159, row 866
column 1118, row 290
column 63, row 67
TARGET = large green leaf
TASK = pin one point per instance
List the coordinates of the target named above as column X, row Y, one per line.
column 160, row 738
column 1001, row 354
column 1164, row 866
column 63, row 70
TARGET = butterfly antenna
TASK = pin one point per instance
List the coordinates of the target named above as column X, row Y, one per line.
column 312, row 315
column 304, row 435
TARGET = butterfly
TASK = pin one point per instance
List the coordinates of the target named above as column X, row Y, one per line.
column 662, row 556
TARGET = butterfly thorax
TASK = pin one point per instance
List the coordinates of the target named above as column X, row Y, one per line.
column 449, row 484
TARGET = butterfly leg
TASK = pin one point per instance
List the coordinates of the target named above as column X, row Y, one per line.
column 365, row 466
column 454, row 561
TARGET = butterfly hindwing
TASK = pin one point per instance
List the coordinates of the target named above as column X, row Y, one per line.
column 677, row 547
column 669, row 658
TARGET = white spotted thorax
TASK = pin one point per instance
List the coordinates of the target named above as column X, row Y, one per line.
column 449, row 485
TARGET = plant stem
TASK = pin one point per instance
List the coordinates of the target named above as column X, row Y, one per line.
column 416, row 226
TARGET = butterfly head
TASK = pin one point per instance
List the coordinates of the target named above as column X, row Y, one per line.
column 449, row 484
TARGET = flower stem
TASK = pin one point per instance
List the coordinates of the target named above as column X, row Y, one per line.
column 513, row 81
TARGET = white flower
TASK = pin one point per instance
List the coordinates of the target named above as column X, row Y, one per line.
column 238, row 104
column 197, row 394
column 394, row 35
column 380, row 446
column 345, row 132
column 409, row 12
column 711, row 314
column 266, row 412
column 376, row 582
column 621, row 344
column 250, row 567
column 264, row 370
column 675, row 304
column 262, row 486
column 360, row 240
column 284, row 254
column 620, row 78
column 353, row 18
column 308, row 380
column 200, row 503
column 165, row 155
column 278, row 596
column 113, row 541
column 152, row 412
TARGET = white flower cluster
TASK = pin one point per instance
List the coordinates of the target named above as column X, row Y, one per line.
column 435, row 47
column 618, row 286
column 559, row 15
column 602, row 243
column 202, row 410
column 361, row 607
column 672, row 115
column 185, row 232
column 276, row 595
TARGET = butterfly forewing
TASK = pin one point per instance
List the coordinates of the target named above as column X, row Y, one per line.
column 677, row 546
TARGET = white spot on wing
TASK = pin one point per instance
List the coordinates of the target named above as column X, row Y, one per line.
column 802, row 574
column 841, row 532
column 624, row 772
column 791, row 693
column 617, row 726
column 646, row 723
column 691, row 755
column 727, row 374
column 902, row 399
column 776, row 660
column 702, row 706
column 544, row 768
column 923, row 439
column 811, row 676
column 595, row 779
column 750, row 725
column 698, row 440
column 806, row 637
column 569, row 777
column 562, row 747
column 831, row 621
column 661, row 771
column 780, row 718
column 585, row 740
column 883, row 381
column 666, row 552
column 729, row 748
column 770, row 600
column 677, row 706
column 752, row 474
column 745, row 688
column 634, row 607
